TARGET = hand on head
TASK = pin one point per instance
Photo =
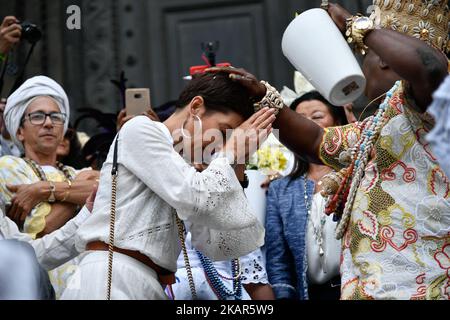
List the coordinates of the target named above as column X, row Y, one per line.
column 247, row 138
column 254, row 87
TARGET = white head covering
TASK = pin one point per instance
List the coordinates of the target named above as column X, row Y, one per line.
column 19, row 101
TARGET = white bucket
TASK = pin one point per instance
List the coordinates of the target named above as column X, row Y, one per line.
column 315, row 47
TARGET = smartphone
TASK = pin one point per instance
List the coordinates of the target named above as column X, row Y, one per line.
column 137, row 101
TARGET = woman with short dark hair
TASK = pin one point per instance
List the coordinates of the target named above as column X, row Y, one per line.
column 155, row 185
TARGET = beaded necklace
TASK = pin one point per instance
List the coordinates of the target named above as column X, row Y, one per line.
column 342, row 186
column 214, row 278
column 41, row 174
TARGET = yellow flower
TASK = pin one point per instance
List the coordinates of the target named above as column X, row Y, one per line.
column 271, row 160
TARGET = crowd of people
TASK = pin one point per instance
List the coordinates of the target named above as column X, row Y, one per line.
column 157, row 210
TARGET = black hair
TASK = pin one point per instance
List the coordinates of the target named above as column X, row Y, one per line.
column 301, row 165
column 166, row 110
column 337, row 113
column 219, row 92
column 96, row 149
column 74, row 158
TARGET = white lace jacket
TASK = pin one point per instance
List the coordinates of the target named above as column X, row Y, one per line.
column 155, row 183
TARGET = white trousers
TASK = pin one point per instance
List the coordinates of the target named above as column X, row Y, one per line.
column 131, row 279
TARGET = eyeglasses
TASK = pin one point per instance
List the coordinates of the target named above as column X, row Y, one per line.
column 38, row 118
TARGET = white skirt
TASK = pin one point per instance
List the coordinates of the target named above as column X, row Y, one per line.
column 131, row 279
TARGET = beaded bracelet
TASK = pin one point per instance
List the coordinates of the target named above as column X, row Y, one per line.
column 272, row 99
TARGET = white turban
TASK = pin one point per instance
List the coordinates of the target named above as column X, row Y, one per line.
column 19, row 101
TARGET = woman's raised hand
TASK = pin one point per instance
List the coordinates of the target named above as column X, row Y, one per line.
column 247, row 138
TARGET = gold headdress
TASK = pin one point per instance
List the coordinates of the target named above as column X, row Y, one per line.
column 427, row 20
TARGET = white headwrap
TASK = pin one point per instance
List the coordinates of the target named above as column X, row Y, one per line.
column 19, row 101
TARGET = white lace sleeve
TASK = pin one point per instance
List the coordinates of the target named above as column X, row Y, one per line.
column 212, row 201
column 53, row 249
column 253, row 269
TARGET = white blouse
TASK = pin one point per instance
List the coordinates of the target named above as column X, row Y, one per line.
column 322, row 269
column 155, row 183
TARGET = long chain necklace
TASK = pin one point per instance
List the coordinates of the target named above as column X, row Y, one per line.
column 214, row 278
column 318, row 230
column 41, row 174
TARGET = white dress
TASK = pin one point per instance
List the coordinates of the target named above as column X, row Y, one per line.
column 155, row 184
column 252, row 271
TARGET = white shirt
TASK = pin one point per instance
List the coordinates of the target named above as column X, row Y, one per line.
column 322, row 269
column 155, row 183
column 53, row 249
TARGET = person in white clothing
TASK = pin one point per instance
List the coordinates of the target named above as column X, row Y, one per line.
column 22, row 270
column 155, row 185
column 37, row 192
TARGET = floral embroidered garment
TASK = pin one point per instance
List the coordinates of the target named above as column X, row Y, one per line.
column 397, row 244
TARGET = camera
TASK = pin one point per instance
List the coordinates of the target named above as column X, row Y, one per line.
column 30, row 32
